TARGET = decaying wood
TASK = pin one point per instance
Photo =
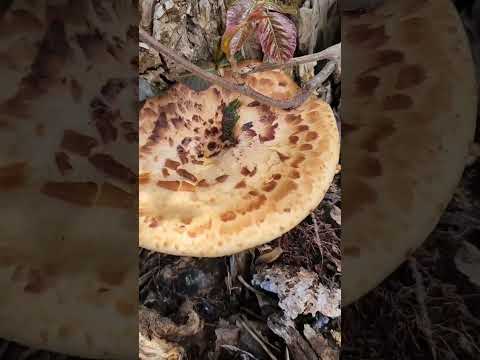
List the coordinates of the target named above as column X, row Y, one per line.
column 146, row 14
column 319, row 344
column 319, row 25
column 299, row 348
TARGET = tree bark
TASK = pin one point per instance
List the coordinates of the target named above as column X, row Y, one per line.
column 192, row 28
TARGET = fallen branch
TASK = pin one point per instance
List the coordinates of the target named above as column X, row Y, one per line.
column 302, row 95
column 333, row 53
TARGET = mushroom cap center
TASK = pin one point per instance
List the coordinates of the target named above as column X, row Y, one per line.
column 202, row 128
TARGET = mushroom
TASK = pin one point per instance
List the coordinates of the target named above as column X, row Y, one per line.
column 213, row 183
column 68, row 163
column 408, row 121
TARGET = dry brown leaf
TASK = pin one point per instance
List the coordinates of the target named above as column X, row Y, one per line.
column 336, row 214
column 226, row 335
column 269, row 257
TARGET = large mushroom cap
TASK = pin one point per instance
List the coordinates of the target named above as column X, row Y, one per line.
column 408, row 122
column 203, row 195
column 68, row 230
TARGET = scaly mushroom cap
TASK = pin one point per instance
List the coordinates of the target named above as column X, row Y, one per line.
column 68, row 162
column 203, row 195
column 408, row 121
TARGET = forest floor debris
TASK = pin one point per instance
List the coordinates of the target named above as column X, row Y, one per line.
column 245, row 318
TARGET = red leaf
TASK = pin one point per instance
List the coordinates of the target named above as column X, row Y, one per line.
column 239, row 39
column 238, row 13
column 239, row 26
column 235, row 38
column 277, row 35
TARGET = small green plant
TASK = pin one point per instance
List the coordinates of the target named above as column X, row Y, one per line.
column 229, row 120
column 268, row 21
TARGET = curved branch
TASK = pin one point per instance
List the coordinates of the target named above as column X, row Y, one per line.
column 333, row 53
column 244, row 89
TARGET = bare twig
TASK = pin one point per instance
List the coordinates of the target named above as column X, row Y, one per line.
column 259, row 334
column 251, row 313
column 323, row 75
column 258, row 340
column 236, row 349
column 243, row 89
column 248, row 286
column 317, row 235
column 333, row 53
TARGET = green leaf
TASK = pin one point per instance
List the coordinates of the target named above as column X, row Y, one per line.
column 219, row 55
column 229, row 120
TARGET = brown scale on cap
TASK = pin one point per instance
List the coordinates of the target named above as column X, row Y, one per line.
column 12, row 175
column 401, row 105
column 63, row 162
column 232, row 190
column 70, row 184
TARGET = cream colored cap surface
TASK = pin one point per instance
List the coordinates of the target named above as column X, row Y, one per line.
column 68, row 162
column 408, row 115
column 201, row 197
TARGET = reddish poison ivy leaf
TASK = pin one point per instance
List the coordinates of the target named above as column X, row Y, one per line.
column 239, row 12
column 242, row 18
column 277, row 35
column 235, row 38
column 240, row 25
